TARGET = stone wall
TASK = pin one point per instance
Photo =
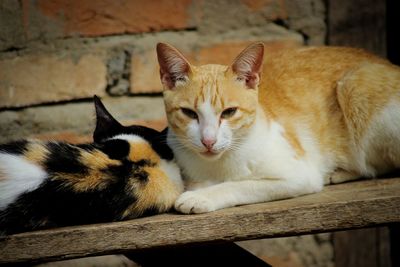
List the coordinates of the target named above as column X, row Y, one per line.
column 56, row 54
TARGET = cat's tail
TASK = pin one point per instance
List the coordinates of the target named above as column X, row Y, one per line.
column 17, row 176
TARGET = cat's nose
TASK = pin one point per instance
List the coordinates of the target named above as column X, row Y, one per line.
column 208, row 143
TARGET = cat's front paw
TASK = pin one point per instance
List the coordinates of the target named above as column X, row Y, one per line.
column 193, row 202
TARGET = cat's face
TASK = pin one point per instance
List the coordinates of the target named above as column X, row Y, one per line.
column 210, row 108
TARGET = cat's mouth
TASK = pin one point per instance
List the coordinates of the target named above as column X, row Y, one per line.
column 210, row 154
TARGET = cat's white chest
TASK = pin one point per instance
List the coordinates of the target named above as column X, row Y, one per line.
column 264, row 153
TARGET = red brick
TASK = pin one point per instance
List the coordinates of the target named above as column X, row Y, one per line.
column 271, row 9
column 105, row 17
column 145, row 69
column 36, row 79
column 255, row 5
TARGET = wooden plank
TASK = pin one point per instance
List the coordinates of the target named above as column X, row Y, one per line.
column 383, row 247
column 227, row 254
column 395, row 244
column 362, row 247
column 393, row 22
column 337, row 207
column 358, row 23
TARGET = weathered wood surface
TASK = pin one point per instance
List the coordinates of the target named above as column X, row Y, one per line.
column 352, row 205
column 374, row 251
column 358, row 23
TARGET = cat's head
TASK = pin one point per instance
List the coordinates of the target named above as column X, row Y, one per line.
column 107, row 128
column 210, row 108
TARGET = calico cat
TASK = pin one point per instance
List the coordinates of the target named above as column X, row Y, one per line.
column 127, row 172
column 261, row 130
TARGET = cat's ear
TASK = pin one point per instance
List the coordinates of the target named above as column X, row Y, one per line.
column 248, row 64
column 174, row 67
column 106, row 125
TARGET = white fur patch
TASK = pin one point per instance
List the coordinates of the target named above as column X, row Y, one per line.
column 264, row 153
column 208, row 121
column 209, row 128
column 130, row 137
column 262, row 167
column 20, row 176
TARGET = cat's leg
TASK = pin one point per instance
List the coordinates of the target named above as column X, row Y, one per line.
column 341, row 176
column 229, row 194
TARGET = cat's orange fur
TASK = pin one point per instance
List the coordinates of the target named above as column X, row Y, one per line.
column 337, row 91
column 307, row 114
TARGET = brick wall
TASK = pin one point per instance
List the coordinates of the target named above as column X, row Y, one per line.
column 56, row 54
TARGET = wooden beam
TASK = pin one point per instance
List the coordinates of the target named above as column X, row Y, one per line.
column 395, row 244
column 392, row 22
column 226, row 254
column 368, row 24
column 358, row 23
column 337, row 207
column 362, row 247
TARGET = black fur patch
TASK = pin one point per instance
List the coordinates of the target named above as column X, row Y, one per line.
column 125, row 170
column 157, row 140
column 141, row 174
column 64, row 158
column 144, row 162
column 17, row 147
column 115, row 148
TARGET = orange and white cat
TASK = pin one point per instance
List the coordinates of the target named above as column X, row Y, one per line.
column 261, row 130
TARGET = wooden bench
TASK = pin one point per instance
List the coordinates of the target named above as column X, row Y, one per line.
column 357, row 204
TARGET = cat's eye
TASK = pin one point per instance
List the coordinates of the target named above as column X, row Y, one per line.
column 228, row 113
column 189, row 113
